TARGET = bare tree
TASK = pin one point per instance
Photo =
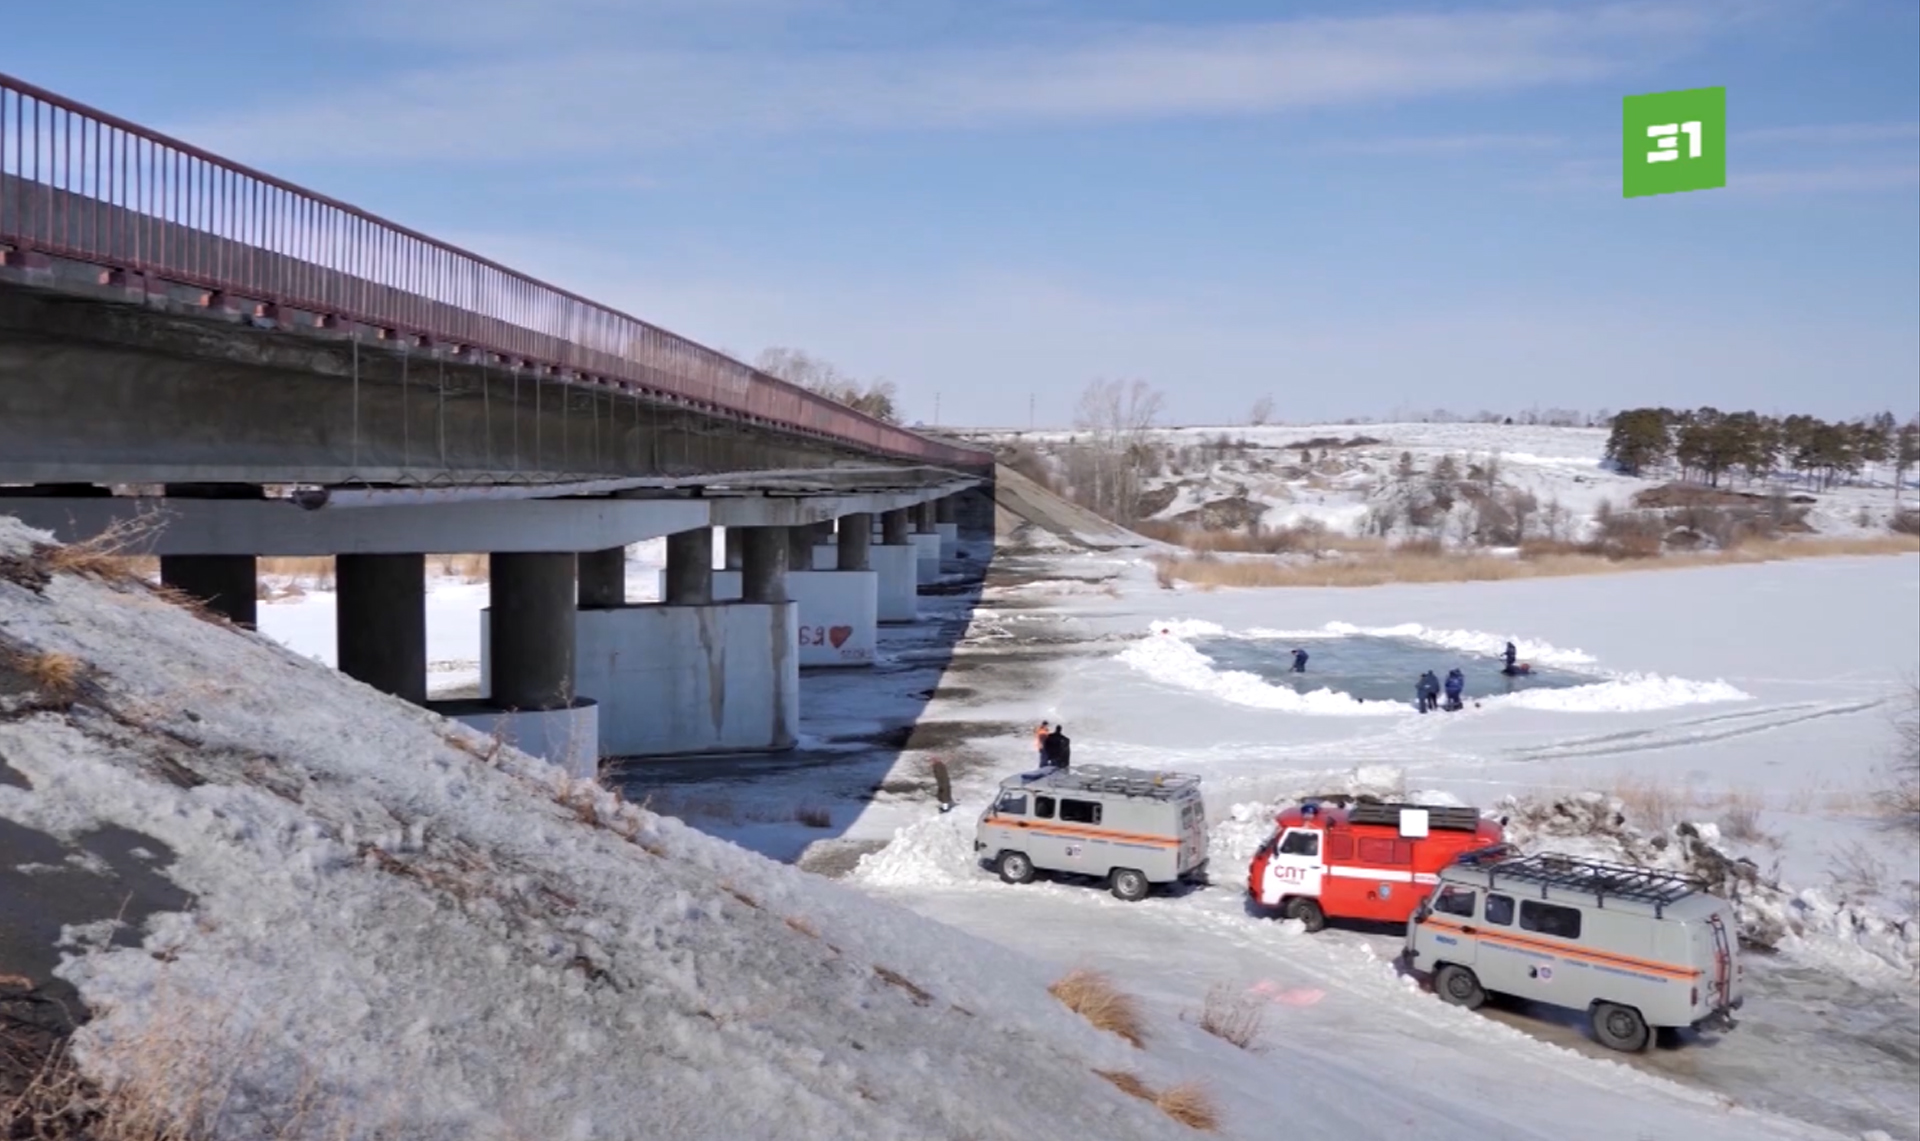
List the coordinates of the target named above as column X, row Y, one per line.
column 1118, row 418
column 1262, row 411
column 795, row 366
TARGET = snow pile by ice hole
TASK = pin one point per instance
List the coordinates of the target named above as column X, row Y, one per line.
column 1806, row 924
column 401, row 929
column 1167, row 656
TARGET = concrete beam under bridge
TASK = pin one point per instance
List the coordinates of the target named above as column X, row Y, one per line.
column 278, row 527
column 793, row 510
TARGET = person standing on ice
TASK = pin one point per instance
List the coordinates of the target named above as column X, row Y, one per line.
column 1426, row 691
column 1456, row 684
column 1299, row 661
column 1510, row 656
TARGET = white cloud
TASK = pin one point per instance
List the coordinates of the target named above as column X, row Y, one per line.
column 590, row 98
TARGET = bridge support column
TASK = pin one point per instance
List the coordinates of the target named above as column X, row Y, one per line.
column 856, row 541
column 946, row 521
column 897, row 563
column 763, row 564
column 698, row 673
column 603, row 578
column 838, row 607
column 689, row 574
column 380, row 622
column 926, row 542
column 226, row 584
column 800, row 544
column 527, row 642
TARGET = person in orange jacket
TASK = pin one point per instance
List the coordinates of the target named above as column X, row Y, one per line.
column 1040, row 734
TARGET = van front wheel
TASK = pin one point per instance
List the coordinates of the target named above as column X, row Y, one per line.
column 1014, row 867
column 1620, row 1027
column 1458, row 986
column 1130, row 885
column 1306, row 911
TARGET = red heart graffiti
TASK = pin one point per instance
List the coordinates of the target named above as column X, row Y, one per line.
column 838, row 635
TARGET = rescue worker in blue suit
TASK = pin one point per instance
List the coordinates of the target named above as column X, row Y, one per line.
column 1456, row 684
column 1428, row 691
column 1299, row 661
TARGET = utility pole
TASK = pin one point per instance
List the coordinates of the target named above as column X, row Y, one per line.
column 1029, row 411
column 936, row 409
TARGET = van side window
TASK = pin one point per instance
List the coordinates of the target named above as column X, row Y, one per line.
column 1550, row 919
column 1339, row 847
column 1080, row 811
column 1455, row 901
column 1500, row 910
column 1043, row 807
column 1012, row 803
column 1383, row 851
column 1300, row 843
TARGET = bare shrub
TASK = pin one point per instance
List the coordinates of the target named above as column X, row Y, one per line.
column 813, row 816
column 1421, row 548
column 55, row 676
column 467, row 568
column 1233, row 1015
column 316, row 571
column 116, row 554
column 1093, row 996
column 1740, row 816
column 1191, row 1105
column 1905, row 522
column 1163, row 572
column 1856, row 870
column 1653, row 805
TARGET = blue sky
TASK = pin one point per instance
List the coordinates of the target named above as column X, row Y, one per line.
column 1357, row 208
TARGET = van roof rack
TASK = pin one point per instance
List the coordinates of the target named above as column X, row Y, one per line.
column 1117, row 779
column 1446, row 818
column 1598, row 878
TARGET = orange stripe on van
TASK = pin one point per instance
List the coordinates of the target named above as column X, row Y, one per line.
column 1565, row 951
column 1075, row 830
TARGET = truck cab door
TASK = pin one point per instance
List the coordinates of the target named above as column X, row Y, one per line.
column 1295, row 868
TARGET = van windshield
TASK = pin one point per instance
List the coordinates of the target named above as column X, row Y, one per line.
column 1298, row 843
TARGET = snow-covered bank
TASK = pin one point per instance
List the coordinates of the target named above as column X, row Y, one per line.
column 415, row 934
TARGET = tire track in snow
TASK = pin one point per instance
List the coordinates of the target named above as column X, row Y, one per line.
column 1682, row 734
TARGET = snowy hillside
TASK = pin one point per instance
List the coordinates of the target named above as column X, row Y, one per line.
column 1377, row 479
column 398, row 929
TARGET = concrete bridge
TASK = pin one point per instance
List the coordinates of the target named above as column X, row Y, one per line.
column 205, row 363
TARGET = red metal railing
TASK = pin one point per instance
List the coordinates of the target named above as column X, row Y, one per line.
column 80, row 184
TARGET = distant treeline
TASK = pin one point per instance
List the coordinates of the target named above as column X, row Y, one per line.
column 1706, row 443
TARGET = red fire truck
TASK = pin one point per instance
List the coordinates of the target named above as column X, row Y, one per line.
column 1366, row 860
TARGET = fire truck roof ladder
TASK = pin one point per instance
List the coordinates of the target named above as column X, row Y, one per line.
column 1446, row 819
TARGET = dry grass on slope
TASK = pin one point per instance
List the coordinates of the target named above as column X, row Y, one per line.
column 1094, row 997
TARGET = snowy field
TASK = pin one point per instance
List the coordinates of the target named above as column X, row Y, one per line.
column 1768, row 687
column 1558, row 466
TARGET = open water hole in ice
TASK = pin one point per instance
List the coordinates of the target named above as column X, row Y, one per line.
column 1375, row 668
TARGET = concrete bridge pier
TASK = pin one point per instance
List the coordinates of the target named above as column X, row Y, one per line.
column 838, row 603
column 946, row 521
column 897, row 564
column 926, row 542
column 603, row 578
column 380, row 622
column 228, row 584
column 698, row 672
column 528, row 666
